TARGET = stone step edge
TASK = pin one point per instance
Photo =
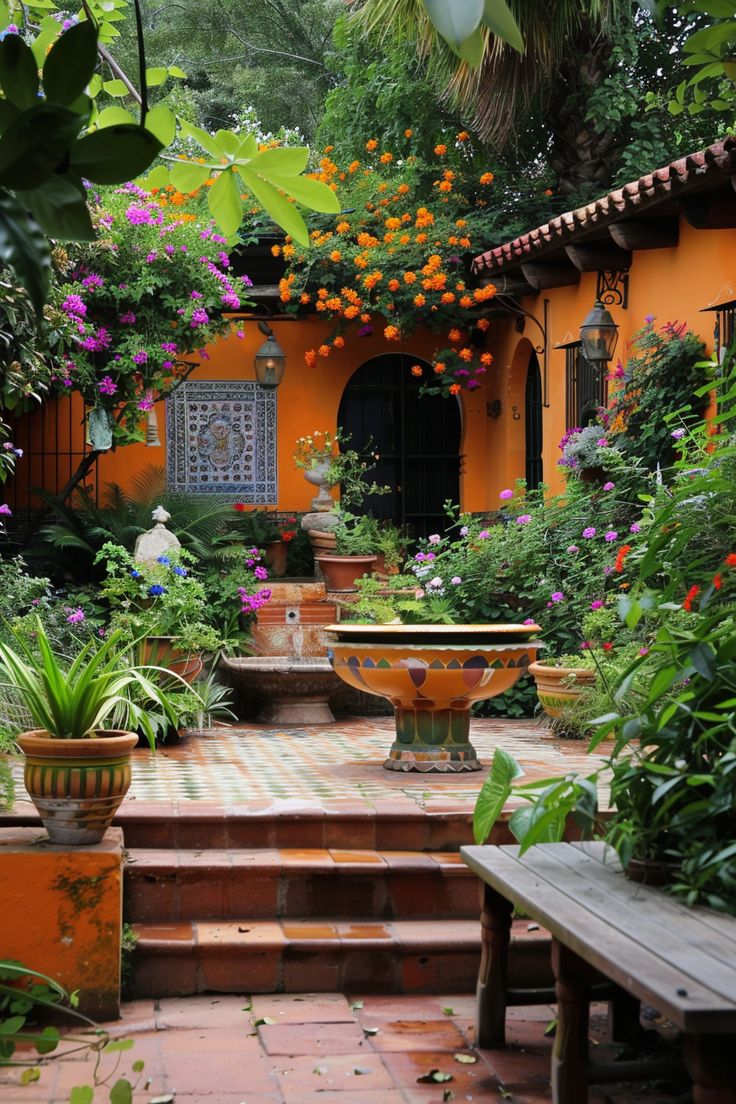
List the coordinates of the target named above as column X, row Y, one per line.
column 298, row 862
column 299, row 956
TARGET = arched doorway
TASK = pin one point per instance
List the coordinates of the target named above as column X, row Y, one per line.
column 417, row 440
column 533, row 424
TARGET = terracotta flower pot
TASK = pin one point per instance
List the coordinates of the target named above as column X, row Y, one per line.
column 276, row 553
column 77, row 785
column 558, row 687
column 161, row 651
column 340, row 572
column 652, row 872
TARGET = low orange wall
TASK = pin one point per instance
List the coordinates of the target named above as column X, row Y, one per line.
column 62, row 913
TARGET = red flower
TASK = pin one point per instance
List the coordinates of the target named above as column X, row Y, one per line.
column 730, row 560
column 288, row 535
column 239, row 506
column 621, row 557
column 717, row 581
column 608, row 647
column 692, row 594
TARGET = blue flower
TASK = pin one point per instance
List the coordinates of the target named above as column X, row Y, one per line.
column 135, row 574
column 180, row 571
column 164, row 560
column 156, row 589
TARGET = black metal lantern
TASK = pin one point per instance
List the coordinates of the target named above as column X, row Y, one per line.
column 270, row 360
column 598, row 334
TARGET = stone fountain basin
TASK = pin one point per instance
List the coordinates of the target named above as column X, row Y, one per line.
column 292, row 691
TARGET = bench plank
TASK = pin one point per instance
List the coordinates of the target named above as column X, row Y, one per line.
column 614, row 953
column 639, row 916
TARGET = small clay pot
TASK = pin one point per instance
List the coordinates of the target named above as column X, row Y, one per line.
column 340, row 572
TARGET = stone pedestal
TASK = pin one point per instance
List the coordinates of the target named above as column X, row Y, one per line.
column 62, row 913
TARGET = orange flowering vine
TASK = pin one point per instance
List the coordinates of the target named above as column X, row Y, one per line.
column 692, row 594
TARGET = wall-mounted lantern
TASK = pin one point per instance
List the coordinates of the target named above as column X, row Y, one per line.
column 598, row 334
column 270, row 360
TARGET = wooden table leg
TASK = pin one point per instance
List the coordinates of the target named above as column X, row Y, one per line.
column 709, row 1060
column 495, row 923
column 570, row 1054
column 624, row 1025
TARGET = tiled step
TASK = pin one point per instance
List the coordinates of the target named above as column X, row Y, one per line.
column 399, row 825
column 168, row 885
column 403, row 956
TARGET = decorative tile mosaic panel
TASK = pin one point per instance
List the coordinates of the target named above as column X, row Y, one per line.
column 221, row 437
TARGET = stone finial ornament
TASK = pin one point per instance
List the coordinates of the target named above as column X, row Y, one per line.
column 157, row 541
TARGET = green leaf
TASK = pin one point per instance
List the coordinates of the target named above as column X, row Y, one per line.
column 494, row 793
column 18, row 71
column 59, row 206
column 115, row 154
column 116, row 88
column 35, row 143
column 287, row 161
column 11, row 1025
column 113, row 116
column 41, row 44
column 175, row 71
column 162, row 123
column 25, row 249
column 30, row 1075
column 82, row 1094
column 314, row 194
column 703, row 660
column 157, row 178
column 187, row 176
column 5, row 15
column 282, row 212
column 8, row 113
column 248, row 147
column 225, row 203
column 138, row 1066
column 95, row 85
column 156, row 76
column 228, row 142
column 498, row 18
column 471, row 51
column 455, row 20
column 48, row 1040
column 121, row 1092
column 118, row 1045
column 70, row 63
column 205, row 140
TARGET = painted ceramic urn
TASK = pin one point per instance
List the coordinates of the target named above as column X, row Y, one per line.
column 432, row 674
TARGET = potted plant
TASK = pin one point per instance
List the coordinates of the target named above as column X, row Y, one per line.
column 390, row 548
column 162, row 606
column 589, row 454
column 562, row 681
column 264, row 530
column 77, row 772
column 356, row 539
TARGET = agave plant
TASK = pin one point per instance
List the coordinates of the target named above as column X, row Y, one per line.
column 72, row 702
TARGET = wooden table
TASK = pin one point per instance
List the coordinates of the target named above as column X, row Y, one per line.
column 653, row 948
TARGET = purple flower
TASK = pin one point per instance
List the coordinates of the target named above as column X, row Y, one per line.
column 464, row 530
column 678, row 434
column 506, row 495
column 156, row 590
column 195, row 294
column 557, row 596
column 74, row 306
column 573, row 548
column 420, row 556
column 649, row 318
column 199, row 318
column 608, row 569
column 529, row 621
column 92, row 281
column 609, row 486
column 169, row 249
column 146, row 403
column 260, row 573
column 635, row 528
column 643, row 651
column 523, row 519
column 140, row 357
column 76, row 616
column 430, row 556
column 167, row 364
column 365, row 331
column 589, row 532
column 484, row 534
column 611, row 535
column 107, row 386
column 598, row 604
column 127, row 319
column 5, row 510
column 230, row 299
column 151, row 257
column 138, row 216
column 168, row 346
column 435, row 538
column 436, row 583
column 456, row 580
column 602, row 442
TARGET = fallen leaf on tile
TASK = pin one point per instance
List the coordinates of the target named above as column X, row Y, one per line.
column 264, row 1020
column 243, row 929
column 371, row 1030
column 247, row 1008
column 356, row 1005
column 434, row 1077
column 466, row 1059
column 447, row 1094
column 449, row 1011
column 358, row 1071
column 319, row 1070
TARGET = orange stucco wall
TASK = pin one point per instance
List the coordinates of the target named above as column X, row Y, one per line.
column 308, row 399
column 671, row 284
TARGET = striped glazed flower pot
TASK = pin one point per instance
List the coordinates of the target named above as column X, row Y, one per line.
column 77, row 785
column 558, row 687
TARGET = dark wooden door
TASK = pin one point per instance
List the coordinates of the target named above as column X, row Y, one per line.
column 417, row 440
column 534, row 472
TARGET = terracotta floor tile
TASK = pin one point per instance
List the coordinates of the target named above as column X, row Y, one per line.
column 204, row 1012
column 313, row 1039
column 306, row 932
column 347, row 1096
column 382, row 1008
column 475, row 1079
column 239, row 934
column 369, row 932
column 344, row 1072
column 414, row 1036
column 165, row 933
column 344, row 856
column 306, row 856
column 304, row 1008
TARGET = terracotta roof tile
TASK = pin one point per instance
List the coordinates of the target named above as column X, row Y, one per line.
column 718, row 160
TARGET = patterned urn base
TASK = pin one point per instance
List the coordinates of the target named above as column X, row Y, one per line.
column 432, row 740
